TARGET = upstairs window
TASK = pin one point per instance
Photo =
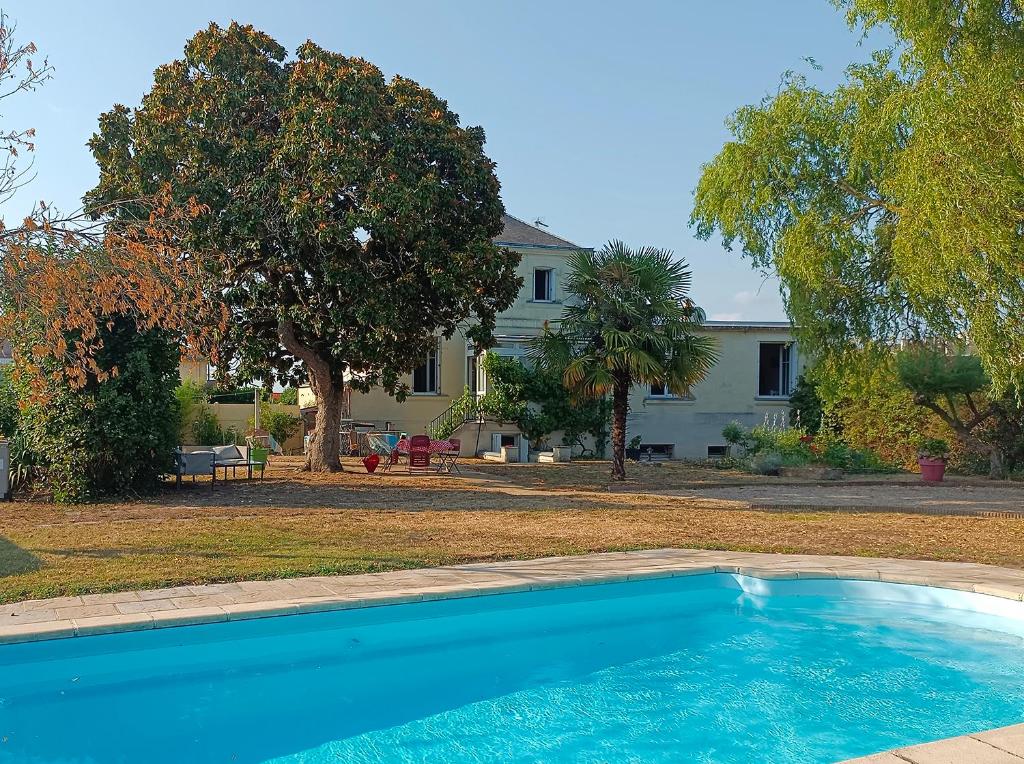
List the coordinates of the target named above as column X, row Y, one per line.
column 543, row 285
column 425, row 378
column 775, row 370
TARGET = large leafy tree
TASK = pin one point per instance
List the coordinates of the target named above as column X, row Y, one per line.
column 893, row 205
column 628, row 321
column 350, row 216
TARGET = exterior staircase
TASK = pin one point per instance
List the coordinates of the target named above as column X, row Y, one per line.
column 461, row 412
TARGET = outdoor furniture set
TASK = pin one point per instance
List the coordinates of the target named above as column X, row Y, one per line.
column 207, row 460
column 423, row 454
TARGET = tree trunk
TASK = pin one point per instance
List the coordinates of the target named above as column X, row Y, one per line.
column 996, row 470
column 324, row 452
column 620, row 408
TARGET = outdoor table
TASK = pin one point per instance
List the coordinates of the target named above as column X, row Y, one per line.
column 445, row 451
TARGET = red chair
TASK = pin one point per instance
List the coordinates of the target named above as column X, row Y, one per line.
column 419, row 453
column 419, row 460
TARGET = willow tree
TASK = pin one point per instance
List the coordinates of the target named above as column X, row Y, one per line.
column 629, row 321
column 893, row 205
column 350, row 218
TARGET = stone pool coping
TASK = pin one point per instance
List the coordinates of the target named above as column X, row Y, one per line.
column 64, row 617
column 87, row 614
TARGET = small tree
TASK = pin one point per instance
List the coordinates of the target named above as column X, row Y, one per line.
column 954, row 388
column 628, row 321
column 351, row 216
column 539, row 404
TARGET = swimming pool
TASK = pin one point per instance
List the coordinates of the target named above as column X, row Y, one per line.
column 706, row 668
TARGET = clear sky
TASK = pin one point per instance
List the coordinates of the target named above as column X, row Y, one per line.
column 598, row 113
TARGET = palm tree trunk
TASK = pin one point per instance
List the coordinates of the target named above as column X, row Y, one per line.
column 620, row 408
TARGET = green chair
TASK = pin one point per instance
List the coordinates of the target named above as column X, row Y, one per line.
column 259, row 457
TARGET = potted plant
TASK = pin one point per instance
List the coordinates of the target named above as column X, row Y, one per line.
column 931, row 457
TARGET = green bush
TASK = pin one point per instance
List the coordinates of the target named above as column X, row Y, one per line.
column 114, row 435
column 280, row 424
column 538, row 403
column 805, row 406
column 206, row 429
column 792, row 447
column 290, row 396
column 191, row 397
column 768, row 463
column 8, row 404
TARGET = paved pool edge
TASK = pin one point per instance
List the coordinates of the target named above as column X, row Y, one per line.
column 84, row 615
column 66, row 617
column 999, row 746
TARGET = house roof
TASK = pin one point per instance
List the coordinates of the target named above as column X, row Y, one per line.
column 518, row 233
column 779, row 325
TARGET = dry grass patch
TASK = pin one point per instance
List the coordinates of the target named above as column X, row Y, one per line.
column 69, row 556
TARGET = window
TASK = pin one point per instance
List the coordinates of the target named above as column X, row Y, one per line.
column 774, row 370
column 717, row 452
column 660, row 390
column 476, row 378
column 425, row 377
column 543, row 285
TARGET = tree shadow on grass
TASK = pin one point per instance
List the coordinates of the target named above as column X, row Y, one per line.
column 15, row 560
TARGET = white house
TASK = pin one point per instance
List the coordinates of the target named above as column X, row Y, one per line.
column 757, row 371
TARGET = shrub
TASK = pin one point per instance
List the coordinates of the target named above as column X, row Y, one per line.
column 116, row 434
column 8, row 404
column 806, row 407
column 768, row 463
column 792, row 447
column 735, row 434
column 290, row 396
column 191, row 397
column 280, row 424
column 206, row 429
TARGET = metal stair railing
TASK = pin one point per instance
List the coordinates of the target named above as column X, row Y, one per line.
column 456, row 415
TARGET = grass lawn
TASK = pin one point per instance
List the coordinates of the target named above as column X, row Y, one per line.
column 294, row 524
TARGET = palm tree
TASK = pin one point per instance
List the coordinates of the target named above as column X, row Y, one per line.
column 628, row 320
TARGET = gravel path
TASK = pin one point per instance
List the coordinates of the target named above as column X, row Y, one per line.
column 946, row 499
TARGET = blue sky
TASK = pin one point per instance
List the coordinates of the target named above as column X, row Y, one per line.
column 599, row 114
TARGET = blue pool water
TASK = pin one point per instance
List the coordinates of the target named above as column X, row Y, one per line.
column 684, row 670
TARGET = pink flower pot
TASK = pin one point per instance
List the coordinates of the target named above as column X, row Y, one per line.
column 932, row 470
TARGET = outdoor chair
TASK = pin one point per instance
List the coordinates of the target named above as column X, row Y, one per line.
column 419, row 453
column 193, row 463
column 448, row 459
column 259, row 457
column 376, row 443
column 419, row 459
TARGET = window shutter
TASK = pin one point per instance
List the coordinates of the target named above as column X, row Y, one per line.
column 437, row 368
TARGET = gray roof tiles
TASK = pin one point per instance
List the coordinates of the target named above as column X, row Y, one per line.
column 520, row 233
